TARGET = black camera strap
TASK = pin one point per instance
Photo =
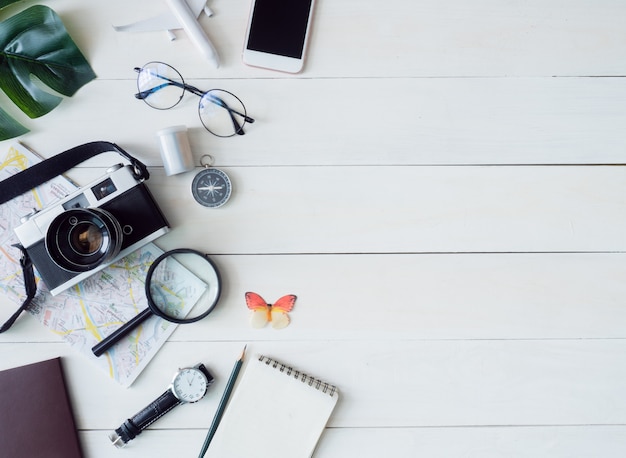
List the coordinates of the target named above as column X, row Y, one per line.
column 38, row 174
column 48, row 169
column 29, row 283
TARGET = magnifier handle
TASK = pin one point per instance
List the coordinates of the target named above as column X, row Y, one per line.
column 115, row 337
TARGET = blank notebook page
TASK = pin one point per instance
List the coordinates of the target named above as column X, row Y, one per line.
column 274, row 412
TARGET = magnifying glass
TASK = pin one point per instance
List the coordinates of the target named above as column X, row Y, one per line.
column 182, row 286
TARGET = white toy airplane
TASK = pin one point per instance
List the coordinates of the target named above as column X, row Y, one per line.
column 183, row 14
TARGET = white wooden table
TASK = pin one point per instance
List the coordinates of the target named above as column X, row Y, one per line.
column 442, row 189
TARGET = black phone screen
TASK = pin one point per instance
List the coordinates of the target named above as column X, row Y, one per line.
column 279, row 27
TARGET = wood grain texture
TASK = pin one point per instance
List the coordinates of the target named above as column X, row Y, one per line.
column 338, row 121
column 442, row 187
column 518, row 442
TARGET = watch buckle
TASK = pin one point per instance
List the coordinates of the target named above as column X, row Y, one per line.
column 116, row 440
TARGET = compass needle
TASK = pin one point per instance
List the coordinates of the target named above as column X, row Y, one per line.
column 211, row 187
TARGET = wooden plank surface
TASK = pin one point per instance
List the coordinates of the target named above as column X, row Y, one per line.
column 338, row 121
column 352, row 39
column 490, row 442
column 448, row 383
column 415, row 296
column 442, row 188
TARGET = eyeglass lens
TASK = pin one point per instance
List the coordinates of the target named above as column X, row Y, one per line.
column 162, row 87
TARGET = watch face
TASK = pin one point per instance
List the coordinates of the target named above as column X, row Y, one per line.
column 211, row 188
column 189, row 385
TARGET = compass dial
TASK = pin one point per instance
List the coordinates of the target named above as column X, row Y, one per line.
column 211, row 188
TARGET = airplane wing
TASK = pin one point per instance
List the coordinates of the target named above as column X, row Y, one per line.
column 162, row 22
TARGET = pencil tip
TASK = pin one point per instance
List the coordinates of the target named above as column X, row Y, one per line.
column 243, row 352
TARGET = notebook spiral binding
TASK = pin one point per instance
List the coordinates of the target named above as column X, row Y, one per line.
column 311, row 381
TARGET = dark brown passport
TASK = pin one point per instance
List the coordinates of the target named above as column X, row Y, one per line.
column 36, row 419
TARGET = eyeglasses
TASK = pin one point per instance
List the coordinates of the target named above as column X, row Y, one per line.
column 162, row 87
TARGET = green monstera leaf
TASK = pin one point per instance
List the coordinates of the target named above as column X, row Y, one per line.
column 35, row 43
column 4, row 3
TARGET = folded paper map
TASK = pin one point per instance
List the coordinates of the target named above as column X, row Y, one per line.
column 85, row 314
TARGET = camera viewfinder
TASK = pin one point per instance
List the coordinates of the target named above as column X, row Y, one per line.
column 103, row 189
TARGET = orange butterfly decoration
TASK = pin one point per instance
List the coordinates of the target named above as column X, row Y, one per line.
column 263, row 313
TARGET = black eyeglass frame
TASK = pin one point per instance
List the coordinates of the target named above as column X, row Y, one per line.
column 143, row 95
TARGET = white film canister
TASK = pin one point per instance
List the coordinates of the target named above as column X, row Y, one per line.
column 175, row 150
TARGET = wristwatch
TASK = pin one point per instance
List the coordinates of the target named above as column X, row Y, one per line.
column 189, row 385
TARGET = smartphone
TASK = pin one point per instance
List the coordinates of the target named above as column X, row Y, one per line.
column 277, row 34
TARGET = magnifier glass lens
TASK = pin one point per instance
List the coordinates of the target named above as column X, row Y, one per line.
column 182, row 286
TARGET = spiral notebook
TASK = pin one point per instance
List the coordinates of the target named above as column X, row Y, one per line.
column 275, row 411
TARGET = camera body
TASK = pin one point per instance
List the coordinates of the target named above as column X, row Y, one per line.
column 91, row 228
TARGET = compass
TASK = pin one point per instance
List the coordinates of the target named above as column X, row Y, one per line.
column 211, row 187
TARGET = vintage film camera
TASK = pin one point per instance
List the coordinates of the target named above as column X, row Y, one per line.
column 91, row 228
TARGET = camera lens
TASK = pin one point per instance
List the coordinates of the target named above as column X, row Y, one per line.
column 86, row 238
column 81, row 239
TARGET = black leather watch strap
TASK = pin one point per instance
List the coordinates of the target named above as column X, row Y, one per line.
column 132, row 427
column 209, row 378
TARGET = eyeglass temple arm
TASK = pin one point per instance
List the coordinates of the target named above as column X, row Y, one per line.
column 144, row 94
column 170, row 82
column 194, row 90
column 219, row 102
